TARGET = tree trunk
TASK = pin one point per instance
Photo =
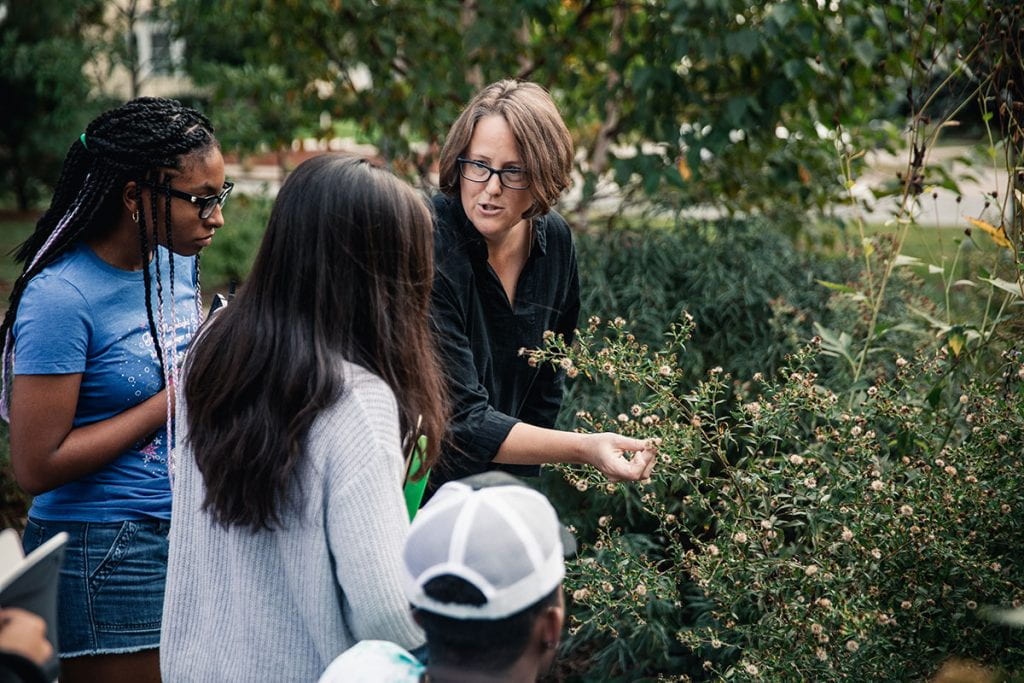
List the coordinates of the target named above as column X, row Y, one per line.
column 598, row 158
column 467, row 17
column 612, row 108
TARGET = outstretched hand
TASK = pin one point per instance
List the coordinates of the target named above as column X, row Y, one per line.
column 607, row 452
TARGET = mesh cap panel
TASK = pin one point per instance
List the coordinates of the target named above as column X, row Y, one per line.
column 505, row 540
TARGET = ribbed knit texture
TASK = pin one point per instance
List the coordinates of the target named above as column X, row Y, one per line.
column 280, row 605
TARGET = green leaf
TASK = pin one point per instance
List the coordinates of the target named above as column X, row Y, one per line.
column 904, row 260
column 1005, row 285
column 833, row 345
column 794, row 68
column 865, row 52
column 744, row 42
column 939, row 325
column 782, row 13
column 956, row 340
column 935, row 396
column 845, row 289
column 651, row 183
column 735, row 110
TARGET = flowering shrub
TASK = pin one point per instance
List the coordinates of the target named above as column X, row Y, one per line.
column 790, row 533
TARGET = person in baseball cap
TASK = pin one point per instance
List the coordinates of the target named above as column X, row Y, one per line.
column 484, row 563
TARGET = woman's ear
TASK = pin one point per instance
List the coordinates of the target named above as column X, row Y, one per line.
column 130, row 196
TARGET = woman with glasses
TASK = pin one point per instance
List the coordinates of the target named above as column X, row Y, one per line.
column 98, row 320
column 289, row 520
column 506, row 274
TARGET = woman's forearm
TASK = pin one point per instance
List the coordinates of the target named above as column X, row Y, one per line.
column 530, row 445
column 45, row 456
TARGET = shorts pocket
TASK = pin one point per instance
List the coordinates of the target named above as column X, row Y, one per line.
column 106, row 547
column 35, row 534
column 126, row 582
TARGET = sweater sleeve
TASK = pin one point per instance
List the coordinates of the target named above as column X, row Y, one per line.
column 365, row 513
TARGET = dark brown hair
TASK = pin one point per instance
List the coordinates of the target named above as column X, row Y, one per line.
column 543, row 140
column 344, row 272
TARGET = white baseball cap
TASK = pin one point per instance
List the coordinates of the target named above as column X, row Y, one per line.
column 493, row 532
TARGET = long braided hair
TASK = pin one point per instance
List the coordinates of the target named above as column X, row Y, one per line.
column 129, row 143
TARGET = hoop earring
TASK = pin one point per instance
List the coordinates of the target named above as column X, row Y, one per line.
column 135, row 216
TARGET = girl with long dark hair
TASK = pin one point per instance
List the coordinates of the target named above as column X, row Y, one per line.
column 106, row 304
column 289, row 519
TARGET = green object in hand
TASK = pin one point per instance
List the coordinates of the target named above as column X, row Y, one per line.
column 414, row 489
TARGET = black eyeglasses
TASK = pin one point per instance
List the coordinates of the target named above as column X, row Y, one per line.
column 479, row 172
column 206, row 204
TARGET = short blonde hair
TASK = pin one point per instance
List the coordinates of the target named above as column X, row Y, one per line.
column 540, row 133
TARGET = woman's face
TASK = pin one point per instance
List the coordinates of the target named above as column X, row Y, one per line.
column 495, row 210
column 202, row 176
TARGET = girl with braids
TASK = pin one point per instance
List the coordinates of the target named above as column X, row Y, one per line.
column 106, row 304
column 289, row 519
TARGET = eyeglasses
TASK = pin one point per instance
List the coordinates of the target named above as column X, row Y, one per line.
column 206, row 204
column 479, row 172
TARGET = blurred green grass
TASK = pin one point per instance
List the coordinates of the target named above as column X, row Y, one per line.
column 13, row 231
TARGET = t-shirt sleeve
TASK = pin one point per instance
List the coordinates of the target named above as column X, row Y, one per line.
column 52, row 328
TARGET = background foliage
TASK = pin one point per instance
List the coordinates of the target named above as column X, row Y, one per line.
column 716, row 102
column 720, row 102
column 43, row 47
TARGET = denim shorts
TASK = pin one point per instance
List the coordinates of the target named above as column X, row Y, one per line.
column 111, row 592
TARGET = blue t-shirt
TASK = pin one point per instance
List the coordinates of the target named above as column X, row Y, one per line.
column 83, row 315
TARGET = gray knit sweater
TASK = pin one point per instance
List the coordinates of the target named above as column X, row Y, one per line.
column 280, row 605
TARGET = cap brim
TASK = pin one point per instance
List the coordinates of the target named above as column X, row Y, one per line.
column 492, row 478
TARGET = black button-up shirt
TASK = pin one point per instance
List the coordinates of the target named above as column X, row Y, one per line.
column 491, row 386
